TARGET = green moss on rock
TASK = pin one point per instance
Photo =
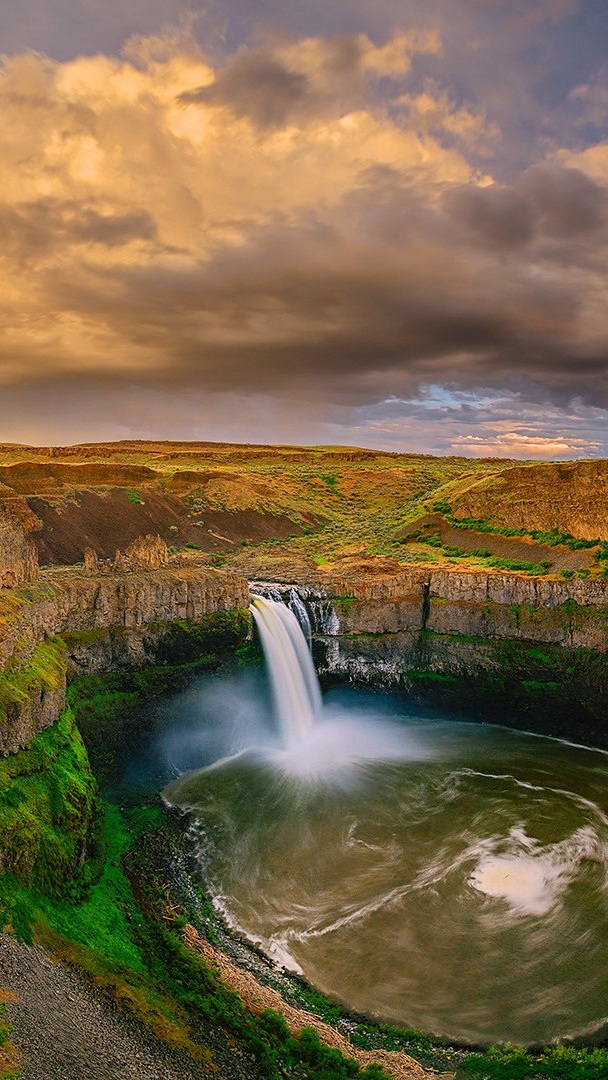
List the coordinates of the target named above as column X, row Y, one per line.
column 48, row 808
column 43, row 671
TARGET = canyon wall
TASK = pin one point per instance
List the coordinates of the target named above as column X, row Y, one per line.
column 525, row 651
column 71, row 622
column 460, row 602
column 412, row 628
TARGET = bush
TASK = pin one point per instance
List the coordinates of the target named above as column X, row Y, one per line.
column 521, row 564
column 442, row 506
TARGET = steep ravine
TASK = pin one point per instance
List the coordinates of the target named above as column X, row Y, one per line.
column 461, row 635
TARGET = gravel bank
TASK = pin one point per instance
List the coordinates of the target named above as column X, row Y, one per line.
column 65, row 1029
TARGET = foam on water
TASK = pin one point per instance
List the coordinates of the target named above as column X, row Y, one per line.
column 443, row 875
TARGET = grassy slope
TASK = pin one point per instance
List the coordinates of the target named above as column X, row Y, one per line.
column 335, row 501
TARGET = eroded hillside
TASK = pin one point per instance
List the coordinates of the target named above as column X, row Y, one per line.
column 252, row 504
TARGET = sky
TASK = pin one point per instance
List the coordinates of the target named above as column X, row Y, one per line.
column 364, row 222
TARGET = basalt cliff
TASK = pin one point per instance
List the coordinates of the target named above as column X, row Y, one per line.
column 60, row 622
column 421, row 629
column 530, row 652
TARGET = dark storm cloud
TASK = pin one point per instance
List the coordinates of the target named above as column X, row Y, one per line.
column 567, row 201
column 303, row 311
column 498, row 216
column 258, row 86
column 31, row 229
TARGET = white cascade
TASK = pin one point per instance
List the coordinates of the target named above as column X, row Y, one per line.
column 295, row 687
column 298, row 607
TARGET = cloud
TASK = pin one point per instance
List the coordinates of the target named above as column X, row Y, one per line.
column 568, row 201
column 513, row 444
column 497, row 217
column 304, row 221
column 258, row 87
column 298, row 81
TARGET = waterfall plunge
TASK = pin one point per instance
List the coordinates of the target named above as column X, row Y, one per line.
column 295, row 687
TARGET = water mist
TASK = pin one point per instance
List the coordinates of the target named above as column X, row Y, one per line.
column 444, row 875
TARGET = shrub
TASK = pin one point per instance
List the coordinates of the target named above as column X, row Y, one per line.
column 521, row 564
column 442, row 506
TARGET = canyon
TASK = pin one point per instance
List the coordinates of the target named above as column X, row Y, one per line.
column 525, row 646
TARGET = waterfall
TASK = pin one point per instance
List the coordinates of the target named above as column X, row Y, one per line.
column 295, row 687
column 299, row 609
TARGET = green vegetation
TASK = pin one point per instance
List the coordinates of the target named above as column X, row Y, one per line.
column 8, row 1054
column 43, row 672
column 135, row 497
column 114, row 709
column 442, row 506
column 332, row 482
column 550, row 537
column 432, row 539
column 504, row 1062
column 48, row 810
column 549, row 687
column 520, row 564
column 554, row 1063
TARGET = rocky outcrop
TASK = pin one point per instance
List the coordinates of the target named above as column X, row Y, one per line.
column 570, row 496
column 18, row 556
column 99, row 623
column 145, row 553
column 479, row 603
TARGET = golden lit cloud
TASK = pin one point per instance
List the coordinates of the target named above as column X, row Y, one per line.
column 515, row 445
column 305, row 219
column 106, row 168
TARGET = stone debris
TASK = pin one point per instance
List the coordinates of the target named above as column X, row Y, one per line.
column 65, row 1029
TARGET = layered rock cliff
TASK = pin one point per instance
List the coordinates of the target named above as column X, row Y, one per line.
column 465, row 602
column 71, row 622
column 526, row 651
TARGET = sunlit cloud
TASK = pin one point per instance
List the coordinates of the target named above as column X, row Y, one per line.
column 322, row 220
column 516, row 445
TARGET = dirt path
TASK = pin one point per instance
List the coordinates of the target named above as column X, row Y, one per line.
column 258, row 997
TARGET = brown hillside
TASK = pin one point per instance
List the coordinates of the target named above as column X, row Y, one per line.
column 570, row 496
column 37, row 478
column 318, row 503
